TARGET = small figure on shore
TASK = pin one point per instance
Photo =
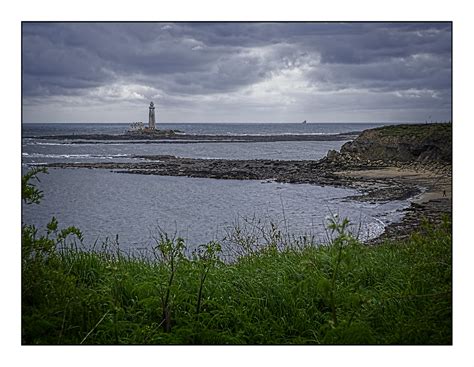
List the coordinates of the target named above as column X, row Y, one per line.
column 444, row 193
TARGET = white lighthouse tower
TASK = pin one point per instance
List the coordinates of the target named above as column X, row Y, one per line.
column 151, row 116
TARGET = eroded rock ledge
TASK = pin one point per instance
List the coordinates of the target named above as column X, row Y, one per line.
column 323, row 172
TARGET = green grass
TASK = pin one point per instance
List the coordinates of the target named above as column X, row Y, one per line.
column 396, row 293
column 439, row 130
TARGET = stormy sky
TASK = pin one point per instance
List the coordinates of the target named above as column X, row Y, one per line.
column 236, row 72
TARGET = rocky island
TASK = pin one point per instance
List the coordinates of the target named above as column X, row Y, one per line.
column 174, row 136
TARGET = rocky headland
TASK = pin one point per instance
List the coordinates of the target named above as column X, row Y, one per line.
column 390, row 163
column 420, row 143
column 414, row 155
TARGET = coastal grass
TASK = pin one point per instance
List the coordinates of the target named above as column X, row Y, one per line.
column 411, row 131
column 395, row 293
column 346, row 292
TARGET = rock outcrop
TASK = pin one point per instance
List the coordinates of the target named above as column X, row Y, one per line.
column 423, row 143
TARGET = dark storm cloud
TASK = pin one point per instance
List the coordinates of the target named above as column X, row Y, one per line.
column 140, row 60
column 55, row 62
column 78, row 56
column 426, row 71
column 337, row 43
column 379, row 42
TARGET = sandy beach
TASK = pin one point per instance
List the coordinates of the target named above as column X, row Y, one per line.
column 434, row 185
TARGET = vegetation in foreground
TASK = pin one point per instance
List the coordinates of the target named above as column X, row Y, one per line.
column 344, row 293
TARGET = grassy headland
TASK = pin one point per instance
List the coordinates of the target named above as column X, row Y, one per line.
column 408, row 143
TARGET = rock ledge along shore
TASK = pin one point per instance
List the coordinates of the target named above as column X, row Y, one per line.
column 413, row 155
column 169, row 136
column 390, row 163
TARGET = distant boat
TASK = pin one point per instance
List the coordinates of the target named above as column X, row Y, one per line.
column 304, row 122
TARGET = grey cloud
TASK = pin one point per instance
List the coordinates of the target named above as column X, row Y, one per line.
column 374, row 43
column 416, row 72
column 201, row 59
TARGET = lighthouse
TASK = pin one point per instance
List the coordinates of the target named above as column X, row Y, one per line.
column 151, row 116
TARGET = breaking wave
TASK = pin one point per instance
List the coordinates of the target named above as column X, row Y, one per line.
column 74, row 156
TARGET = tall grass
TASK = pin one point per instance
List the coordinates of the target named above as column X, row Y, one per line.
column 341, row 293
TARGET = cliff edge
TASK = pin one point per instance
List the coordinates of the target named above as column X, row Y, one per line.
column 423, row 143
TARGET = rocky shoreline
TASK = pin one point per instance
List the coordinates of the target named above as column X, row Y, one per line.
column 326, row 171
column 312, row 172
column 380, row 164
column 373, row 189
column 432, row 211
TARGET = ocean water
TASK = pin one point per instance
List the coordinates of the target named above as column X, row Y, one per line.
column 29, row 130
column 37, row 151
column 104, row 203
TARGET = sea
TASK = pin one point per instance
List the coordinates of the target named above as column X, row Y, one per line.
column 134, row 210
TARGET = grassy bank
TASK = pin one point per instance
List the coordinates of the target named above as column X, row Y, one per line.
column 437, row 130
column 345, row 293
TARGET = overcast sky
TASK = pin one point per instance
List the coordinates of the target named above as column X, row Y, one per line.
column 236, row 72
